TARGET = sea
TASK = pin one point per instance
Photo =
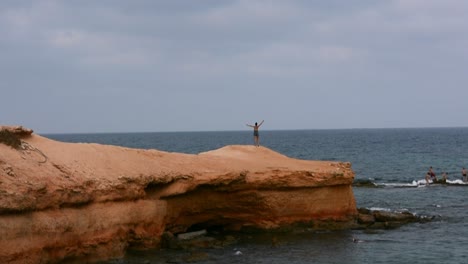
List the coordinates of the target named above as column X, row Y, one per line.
column 393, row 163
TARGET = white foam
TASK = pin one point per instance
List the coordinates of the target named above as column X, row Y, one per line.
column 413, row 184
column 380, row 209
column 421, row 182
column 417, row 183
column 457, row 182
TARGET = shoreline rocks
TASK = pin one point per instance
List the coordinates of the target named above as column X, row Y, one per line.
column 380, row 219
column 366, row 220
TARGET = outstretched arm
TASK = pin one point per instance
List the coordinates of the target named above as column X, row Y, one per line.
column 249, row 125
column 261, row 123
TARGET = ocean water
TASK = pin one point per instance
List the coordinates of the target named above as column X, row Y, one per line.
column 394, row 160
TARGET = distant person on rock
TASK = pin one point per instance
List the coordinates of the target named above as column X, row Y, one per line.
column 428, row 177
column 433, row 175
column 464, row 175
column 256, row 135
column 444, row 177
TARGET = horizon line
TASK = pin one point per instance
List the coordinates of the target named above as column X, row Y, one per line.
column 245, row 130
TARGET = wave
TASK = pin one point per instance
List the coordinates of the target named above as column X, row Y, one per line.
column 380, row 209
column 370, row 183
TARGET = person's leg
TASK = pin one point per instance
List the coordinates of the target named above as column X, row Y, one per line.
column 256, row 140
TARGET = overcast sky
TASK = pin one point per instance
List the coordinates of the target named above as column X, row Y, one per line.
column 179, row 65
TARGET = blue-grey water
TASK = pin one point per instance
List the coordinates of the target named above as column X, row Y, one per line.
column 396, row 160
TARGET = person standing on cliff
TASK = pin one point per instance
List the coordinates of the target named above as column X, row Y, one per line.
column 256, row 135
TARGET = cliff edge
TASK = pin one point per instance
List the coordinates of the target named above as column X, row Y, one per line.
column 87, row 202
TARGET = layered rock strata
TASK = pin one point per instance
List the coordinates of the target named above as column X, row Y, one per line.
column 88, row 202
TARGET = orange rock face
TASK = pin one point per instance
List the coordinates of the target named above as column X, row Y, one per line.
column 88, row 202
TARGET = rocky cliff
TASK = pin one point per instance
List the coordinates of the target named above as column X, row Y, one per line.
column 86, row 202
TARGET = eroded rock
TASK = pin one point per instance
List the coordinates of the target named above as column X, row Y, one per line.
column 97, row 200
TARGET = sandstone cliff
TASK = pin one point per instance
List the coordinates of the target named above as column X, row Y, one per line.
column 74, row 201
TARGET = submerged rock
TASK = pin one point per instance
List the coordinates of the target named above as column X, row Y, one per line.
column 380, row 219
column 364, row 183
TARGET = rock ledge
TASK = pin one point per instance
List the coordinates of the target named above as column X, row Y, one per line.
column 88, row 202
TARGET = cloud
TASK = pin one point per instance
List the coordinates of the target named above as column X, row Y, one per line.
column 177, row 54
column 102, row 49
column 70, row 38
column 336, row 53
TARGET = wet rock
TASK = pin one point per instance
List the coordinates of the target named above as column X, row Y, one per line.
column 384, row 216
column 196, row 257
column 228, row 240
column 191, row 235
column 379, row 219
column 169, row 241
column 439, row 181
column 366, row 219
column 364, row 183
column 363, row 210
column 199, row 242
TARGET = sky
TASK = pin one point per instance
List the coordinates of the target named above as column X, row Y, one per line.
column 80, row 66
